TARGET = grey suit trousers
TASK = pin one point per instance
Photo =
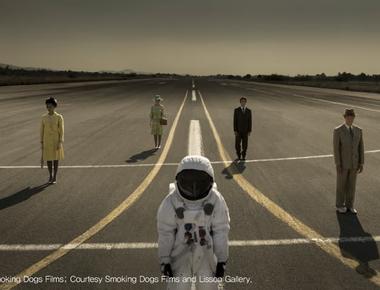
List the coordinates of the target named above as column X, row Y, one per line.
column 349, row 156
column 345, row 188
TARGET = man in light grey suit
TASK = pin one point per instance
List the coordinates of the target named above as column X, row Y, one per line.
column 349, row 160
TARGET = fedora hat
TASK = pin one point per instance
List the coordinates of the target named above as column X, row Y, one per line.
column 349, row 112
column 158, row 98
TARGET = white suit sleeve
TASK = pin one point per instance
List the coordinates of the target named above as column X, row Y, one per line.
column 166, row 226
column 220, row 228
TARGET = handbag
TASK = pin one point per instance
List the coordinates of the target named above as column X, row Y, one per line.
column 163, row 120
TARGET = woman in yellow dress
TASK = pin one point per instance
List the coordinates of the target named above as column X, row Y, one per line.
column 52, row 136
column 156, row 114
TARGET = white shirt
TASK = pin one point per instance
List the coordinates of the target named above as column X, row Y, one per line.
column 348, row 127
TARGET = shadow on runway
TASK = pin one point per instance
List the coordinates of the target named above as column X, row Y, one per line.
column 21, row 196
column 363, row 252
column 141, row 156
column 235, row 167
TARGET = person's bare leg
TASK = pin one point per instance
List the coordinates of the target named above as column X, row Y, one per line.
column 55, row 171
column 50, row 168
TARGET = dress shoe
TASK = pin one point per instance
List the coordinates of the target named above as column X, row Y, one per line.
column 352, row 210
column 342, row 209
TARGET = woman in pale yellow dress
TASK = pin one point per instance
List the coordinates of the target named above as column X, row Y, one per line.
column 156, row 114
column 52, row 136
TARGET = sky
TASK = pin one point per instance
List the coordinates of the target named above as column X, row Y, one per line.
column 197, row 37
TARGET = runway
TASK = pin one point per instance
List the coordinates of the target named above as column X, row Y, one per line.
column 100, row 218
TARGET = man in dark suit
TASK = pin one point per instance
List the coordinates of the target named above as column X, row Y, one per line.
column 242, row 128
column 349, row 161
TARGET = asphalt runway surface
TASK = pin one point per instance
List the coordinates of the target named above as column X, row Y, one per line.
column 285, row 233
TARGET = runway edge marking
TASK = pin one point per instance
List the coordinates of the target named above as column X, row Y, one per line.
column 280, row 213
column 336, row 103
column 132, row 198
column 275, row 93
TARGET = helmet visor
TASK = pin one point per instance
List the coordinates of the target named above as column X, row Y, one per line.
column 194, row 184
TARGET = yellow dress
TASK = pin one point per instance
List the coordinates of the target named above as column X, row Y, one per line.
column 52, row 132
column 156, row 113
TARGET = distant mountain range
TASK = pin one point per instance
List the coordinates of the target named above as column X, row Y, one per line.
column 10, row 66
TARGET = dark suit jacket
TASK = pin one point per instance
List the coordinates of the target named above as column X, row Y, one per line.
column 348, row 151
column 242, row 121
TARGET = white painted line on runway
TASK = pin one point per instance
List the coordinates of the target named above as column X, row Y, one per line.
column 194, row 95
column 195, row 138
column 144, row 245
column 193, row 84
column 91, row 166
column 292, row 158
column 195, row 145
column 337, row 103
column 176, row 163
column 287, row 242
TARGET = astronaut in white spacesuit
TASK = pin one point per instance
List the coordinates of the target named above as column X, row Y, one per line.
column 193, row 224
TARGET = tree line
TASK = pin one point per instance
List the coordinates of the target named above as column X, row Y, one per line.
column 340, row 77
column 10, row 75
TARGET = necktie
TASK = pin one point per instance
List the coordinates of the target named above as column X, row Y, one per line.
column 351, row 132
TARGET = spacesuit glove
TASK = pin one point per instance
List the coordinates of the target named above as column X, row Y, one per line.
column 166, row 270
column 220, row 268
